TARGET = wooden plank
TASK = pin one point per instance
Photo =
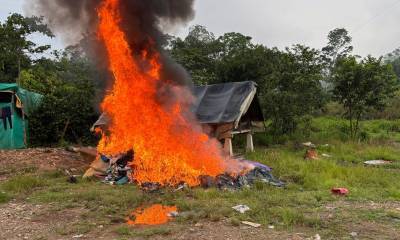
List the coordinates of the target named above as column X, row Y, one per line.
column 249, row 142
column 228, row 146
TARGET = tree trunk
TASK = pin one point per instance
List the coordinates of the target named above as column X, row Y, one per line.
column 351, row 123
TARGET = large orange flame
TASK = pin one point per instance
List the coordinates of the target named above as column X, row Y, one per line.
column 169, row 148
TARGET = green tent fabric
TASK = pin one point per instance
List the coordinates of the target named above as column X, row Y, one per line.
column 21, row 103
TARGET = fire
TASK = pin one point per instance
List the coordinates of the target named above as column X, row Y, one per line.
column 154, row 215
column 169, row 148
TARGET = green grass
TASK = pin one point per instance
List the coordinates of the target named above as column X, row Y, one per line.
column 372, row 131
column 4, row 197
column 24, row 184
column 127, row 231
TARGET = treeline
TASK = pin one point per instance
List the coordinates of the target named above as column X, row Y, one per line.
column 295, row 84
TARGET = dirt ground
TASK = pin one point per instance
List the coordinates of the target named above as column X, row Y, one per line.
column 25, row 221
column 20, row 219
column 40, row 159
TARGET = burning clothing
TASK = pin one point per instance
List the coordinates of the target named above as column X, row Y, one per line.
column 258, row 172
column 119, row 168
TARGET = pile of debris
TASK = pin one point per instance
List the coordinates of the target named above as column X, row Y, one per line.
column 115, row 170
column 256, row 173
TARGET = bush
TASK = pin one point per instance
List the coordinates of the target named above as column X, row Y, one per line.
column 67, row 110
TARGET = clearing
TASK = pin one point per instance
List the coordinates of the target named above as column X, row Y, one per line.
column 37, row 202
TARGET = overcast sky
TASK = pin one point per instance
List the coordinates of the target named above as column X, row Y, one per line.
column 373, row 24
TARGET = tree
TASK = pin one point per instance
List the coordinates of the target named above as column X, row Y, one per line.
column 15, row 48
column 241, row 60
column 339, row 46
column 361, row 86
column 197, row 53
column 294, row 88
column 67, row 110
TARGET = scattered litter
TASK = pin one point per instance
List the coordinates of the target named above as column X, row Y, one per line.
column 173, row 214
column 181, row 187
column 311, row 154
column 241, row 208
column 309, row 144
column 256, row 225
column 271, row 226
column 326, row 155
column 198, row 225
column 264, row 175
column 72, row 149
column 377, row 162
column 340, row 191
column 354, row 234
column 151, row 187
column 72, row 179
column 316, row 237
column 78, row 236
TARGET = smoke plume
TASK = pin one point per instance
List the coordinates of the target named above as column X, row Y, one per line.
column 143, row 21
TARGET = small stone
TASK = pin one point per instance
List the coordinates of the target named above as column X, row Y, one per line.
column 353, row 234
column 198, row 225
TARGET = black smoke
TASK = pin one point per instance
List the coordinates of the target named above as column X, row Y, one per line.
column 142, row 21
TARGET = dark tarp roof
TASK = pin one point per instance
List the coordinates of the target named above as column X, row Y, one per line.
column 226, row 102
column 221, row 103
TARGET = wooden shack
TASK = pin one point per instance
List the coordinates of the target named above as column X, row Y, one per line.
column 229, row 109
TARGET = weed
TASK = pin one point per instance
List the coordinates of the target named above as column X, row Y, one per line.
column 4, row 197
column 23, row 184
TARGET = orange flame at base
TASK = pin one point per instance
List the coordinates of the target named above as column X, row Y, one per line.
column 154, row 215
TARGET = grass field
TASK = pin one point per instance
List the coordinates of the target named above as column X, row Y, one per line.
column 372, row 208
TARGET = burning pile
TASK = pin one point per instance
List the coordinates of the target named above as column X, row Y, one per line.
column 149, row 101
column 170, row 147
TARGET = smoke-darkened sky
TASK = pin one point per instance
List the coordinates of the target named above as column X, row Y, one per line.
column 372, row 23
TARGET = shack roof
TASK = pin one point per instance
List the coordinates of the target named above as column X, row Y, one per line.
column 227, row 103
column 221, row 103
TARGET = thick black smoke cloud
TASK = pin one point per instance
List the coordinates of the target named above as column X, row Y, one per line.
column 142, row 21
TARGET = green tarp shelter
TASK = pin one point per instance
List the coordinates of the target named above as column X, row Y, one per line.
column 16, row 105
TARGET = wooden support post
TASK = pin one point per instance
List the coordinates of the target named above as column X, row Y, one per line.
column 228, row 146
column 249, row 142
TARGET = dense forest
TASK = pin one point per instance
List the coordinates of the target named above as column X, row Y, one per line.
column 294, row 84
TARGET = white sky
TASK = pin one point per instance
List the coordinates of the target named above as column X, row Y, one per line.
column 373, row 24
